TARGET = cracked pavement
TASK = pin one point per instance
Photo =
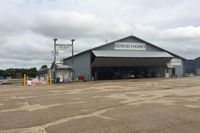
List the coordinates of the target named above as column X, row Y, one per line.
column 119, row 106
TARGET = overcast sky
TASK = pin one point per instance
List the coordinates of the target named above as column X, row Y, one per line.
column 27, row 27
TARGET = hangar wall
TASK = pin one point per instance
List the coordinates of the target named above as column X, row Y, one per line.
column 178, row 67
column 192, row 67
column 111, row 46
column 81, row 65
column 179, row 71
column 82, row 62
column 177, row 64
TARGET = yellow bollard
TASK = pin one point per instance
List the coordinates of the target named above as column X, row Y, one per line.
column 25, row 80
column 50, row 78
column 47, row 80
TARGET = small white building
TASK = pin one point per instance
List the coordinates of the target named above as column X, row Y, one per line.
column 63, row 73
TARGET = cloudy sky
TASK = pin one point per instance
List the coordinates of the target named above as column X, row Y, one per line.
column 27, row 27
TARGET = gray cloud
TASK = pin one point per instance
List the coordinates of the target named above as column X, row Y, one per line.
column 181, row 40
column 75, row 24
column 28, row 27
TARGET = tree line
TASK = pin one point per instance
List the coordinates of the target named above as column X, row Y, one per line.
column 11, row 72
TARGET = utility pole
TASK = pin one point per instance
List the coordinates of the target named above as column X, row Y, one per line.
column 72, row 58
column 55, row 39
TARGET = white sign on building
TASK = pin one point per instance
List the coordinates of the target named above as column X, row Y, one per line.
column 176, row 62
column 129, row 46
column 63, row 47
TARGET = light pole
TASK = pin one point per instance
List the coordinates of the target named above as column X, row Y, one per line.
column 72, row 58
column 55, row 39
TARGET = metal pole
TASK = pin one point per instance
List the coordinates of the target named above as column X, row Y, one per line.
column 55, row 39
column 72, row 58
column 50, row 78
column 25, row 82
column 47, row 80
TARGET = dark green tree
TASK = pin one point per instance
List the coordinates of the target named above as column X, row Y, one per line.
column 11, row 72
column 44, row 66
column 32, row 72
column 1, row 72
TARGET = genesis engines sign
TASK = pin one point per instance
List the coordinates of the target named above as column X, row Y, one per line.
column 129, row 46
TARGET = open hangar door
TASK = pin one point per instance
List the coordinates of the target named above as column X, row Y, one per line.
column 106, row 67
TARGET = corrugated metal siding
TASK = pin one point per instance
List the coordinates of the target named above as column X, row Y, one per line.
column 81, row 65
column 191, row 66
column 127, row 62
column 111, row 46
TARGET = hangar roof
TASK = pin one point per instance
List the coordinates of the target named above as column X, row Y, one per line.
column 136, row 54
column 123, row 39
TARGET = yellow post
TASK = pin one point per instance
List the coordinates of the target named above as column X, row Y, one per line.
column 47, row 80
column 24, row 79
column 50, row 78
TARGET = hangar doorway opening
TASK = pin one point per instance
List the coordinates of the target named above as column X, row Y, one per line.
column 106, row 65
column 110, row 73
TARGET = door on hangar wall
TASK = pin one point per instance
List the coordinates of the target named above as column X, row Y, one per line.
column 104, row 68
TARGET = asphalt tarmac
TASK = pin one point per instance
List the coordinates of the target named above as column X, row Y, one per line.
column 119, row 106
column 3, row 81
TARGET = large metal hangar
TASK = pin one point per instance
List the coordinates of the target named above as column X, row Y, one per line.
column 129, row 57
